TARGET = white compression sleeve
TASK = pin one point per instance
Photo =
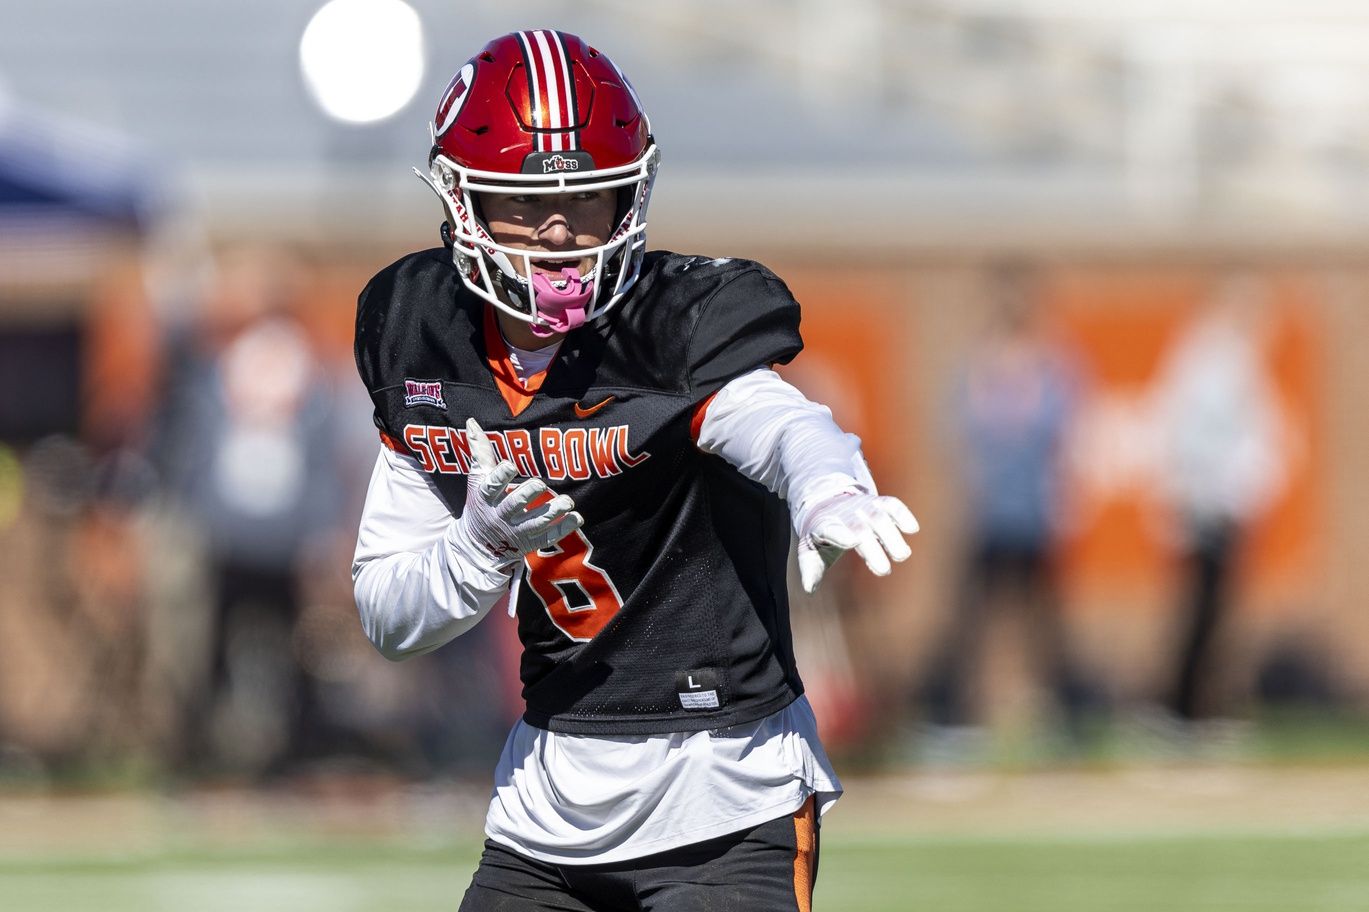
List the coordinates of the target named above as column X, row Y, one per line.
column 416, row 585
column 773, row 435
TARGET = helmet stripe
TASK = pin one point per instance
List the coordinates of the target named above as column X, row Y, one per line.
column 552, row 80
column 568, row 94
column 534, row 90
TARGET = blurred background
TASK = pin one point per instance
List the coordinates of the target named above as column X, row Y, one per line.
column 1089, row 280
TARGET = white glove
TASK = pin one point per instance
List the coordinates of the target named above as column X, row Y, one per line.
column 502, row 521
column 868, row 523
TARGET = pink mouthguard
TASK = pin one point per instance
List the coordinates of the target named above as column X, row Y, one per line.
column 561, row 309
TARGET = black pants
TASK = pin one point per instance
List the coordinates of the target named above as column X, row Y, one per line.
column 252, row 667
column 768, row 868
column 1206, row 588
column 1021, row 577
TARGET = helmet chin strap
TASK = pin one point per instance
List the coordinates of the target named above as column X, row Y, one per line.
column 561, row 309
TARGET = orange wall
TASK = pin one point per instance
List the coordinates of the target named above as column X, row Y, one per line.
column 1123, row 320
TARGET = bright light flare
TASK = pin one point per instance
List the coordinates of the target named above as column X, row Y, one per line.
column 362, row 60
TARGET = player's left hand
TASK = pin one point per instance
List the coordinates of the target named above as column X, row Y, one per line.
column 871, row 525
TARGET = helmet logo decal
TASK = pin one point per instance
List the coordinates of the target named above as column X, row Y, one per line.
column 551, row 90
column 454, row 98
column 559, row 163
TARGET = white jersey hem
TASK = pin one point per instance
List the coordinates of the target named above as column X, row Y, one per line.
column 827, row 792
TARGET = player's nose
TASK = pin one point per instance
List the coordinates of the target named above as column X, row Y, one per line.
column 555, row 232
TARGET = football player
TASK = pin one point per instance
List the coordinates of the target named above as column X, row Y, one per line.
column 596, row 433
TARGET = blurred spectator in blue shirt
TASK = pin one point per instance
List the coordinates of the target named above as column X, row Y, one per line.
column 1012, row 409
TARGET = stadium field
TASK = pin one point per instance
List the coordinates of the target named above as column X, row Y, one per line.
column 1256, row 872
column 1175, row 840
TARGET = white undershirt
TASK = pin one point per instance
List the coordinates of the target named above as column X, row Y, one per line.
column 580, row 799
column 530, row 363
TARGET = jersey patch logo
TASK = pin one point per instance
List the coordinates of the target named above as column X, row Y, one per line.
column 423, row 392
column 698, row 689
column 582, row 412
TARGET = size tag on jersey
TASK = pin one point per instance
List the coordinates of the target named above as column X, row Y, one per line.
column 698, row 689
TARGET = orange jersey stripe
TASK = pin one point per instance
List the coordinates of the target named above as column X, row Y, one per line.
column 395, row 444
column 696, row 422
column 517, row 395
column 805, row 853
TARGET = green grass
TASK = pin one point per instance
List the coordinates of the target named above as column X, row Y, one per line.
column 345, row 877
column 1192, row 874
column 1145, row 873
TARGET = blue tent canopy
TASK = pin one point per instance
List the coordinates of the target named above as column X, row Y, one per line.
column 58, row 169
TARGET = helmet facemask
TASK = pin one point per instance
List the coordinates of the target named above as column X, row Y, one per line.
column 549, row 305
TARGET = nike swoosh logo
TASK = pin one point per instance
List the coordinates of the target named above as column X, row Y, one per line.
column 581, row 412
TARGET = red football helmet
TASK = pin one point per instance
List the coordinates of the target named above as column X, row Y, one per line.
column 542, row 112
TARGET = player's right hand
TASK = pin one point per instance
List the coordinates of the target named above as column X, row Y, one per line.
column 506, row 520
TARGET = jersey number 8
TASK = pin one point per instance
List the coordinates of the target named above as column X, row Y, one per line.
column 579, row 597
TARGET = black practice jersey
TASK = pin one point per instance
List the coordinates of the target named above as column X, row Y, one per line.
column 668, row 610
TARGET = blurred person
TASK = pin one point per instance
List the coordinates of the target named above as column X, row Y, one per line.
column 594, row 433
column 73, row 623
column 248, row 448
column 72, row 640
column 1221, row 467
column 1012, row 407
